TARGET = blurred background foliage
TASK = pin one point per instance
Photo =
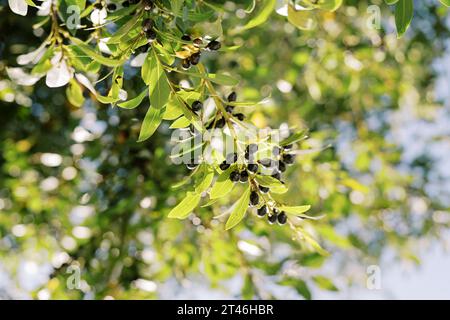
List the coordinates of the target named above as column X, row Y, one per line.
column 76, row 189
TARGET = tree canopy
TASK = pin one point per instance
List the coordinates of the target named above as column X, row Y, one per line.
column 116, row 118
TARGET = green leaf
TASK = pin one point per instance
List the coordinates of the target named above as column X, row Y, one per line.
column 74, row 93
column 181, row 122
column 325, row 283
column 300, row 286
column 303, row 19
column 275, row 185
column 173, row 110
column 122, row 31
column 298, row 136
column 186, row 206
column 445, row 3
column 133, row 103
column 295, row 210
column 151, row 122
column 265, row 9
column 205, row 179
column 86, row 49
column 239, row 210
column 404, row 12
column 222, row 79
column 223, row 185
column 153, row 74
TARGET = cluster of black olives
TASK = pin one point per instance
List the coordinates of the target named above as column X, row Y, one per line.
column 230, row 108
column 283, row 159
column 148, row 28
column 194, row 58
column 272, row 217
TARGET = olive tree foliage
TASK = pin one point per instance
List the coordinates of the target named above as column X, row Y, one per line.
column 88, row 177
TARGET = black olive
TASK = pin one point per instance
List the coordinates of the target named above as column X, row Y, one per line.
column 252, row 148
column 144, row 48
column 254, row 198
column 232, row 97
column 235, row 176
column 98, row 6
column 125, row 4
column 262, row 211
column 151, row 35
column 224, row 166
column 197, row 42
column 252, row 167
column 186, row 37
column 191, row 166
column 276, row 175
column 213, row 45
column 229, row 109
column 239, row 116
column 186, row 64
column 244, row 176
column 282, row 218
column 288, row 147
column 196, row 106
column 289, row 158
column 220, row 123
column 148, row 5
column 263, row 189
column 272, row 218
column 111, row 7
column 195, row 58
column 281, row 166
column 147, row 25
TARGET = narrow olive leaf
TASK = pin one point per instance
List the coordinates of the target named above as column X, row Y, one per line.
column 311, row 241
column 265, row 9
column 298, row 136
column 221, row 79
column 275, row 185
column 159, row 88
column 210, row 203
column 133, row 103
column 391, row 2
column 147, row 68
column 151, row 122
column 223, row 185
column 123, row 31
column 186, row 206
column 74, row 93
column 404, row 11
column 239, row 210
column 445, row 3
column 325, row 283
column 95, row 55
column 299, row 212
column 181, row 122
column 205, row 180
